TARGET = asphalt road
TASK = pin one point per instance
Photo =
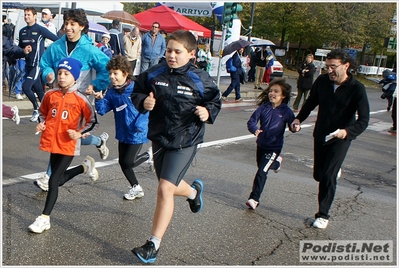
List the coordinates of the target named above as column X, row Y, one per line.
column 92, row 225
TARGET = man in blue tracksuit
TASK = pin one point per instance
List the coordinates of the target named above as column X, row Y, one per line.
column 33, row 35
column 153, row 47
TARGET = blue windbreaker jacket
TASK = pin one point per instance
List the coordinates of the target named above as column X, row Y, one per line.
column 131, row 127
column 273, row 123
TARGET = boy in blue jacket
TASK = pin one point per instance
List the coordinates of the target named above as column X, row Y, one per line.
column 131, row 126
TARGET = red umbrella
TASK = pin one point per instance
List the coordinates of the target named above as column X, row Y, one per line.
column 170, row 21
column 120, row 15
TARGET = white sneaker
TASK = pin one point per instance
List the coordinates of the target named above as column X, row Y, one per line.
column 320, row 223
column 103, row 149
column 19, row 96
column 41, row 224
column 339, row 174
column 16, row 117
column 42, row 183
column 90, row 168
column 135, row 192
column 35, row 116
column 280, row 160
column 252, row 204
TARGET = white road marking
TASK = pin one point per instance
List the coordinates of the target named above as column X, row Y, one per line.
column 379, row 126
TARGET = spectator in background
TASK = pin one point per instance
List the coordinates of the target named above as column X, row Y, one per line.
column 126, row 31
column 104, row 45
column 153, row 47
column 132, row 44
column 305, row 81
column 116, row 41
column 46, row 22
column 8, row 29
column 163, row 33
column 204, row 60
column 268, row 69
column 234, row 67
column 260, row 61
column 393, row 115
column 252, row 65
column 61, row 32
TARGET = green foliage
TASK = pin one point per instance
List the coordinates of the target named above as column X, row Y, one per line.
column 340, row 24
column 137, row 7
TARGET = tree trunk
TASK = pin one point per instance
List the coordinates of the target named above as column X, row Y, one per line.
column 282, row 37
column 299, row 52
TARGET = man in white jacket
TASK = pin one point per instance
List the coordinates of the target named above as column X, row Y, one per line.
column 46, row 22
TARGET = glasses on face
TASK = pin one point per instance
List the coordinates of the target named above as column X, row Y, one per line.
column 154, row 26
column 332, row 67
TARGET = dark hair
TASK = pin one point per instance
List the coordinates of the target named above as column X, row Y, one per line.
column 340, row 54
column 159, row 25
column 126, row 30
column 78, row 15
column 32, row 9
column 285, row 87
column 115, row 22
column 120, row 62
column 186, row 38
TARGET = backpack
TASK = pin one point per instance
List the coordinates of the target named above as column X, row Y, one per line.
column 230, row 68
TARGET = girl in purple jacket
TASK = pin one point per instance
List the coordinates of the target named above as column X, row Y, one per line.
column 274, row 115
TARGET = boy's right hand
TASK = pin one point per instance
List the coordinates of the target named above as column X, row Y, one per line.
column 40, row 127
column 149, row 102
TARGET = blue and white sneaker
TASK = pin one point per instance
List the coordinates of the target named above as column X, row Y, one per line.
column 147, row 252
column 35, row 116
column 196, row 203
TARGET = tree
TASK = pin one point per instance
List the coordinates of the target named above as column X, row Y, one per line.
column 137, row 7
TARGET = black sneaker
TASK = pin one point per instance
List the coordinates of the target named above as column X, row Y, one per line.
column 147, row 252
column 196, row 203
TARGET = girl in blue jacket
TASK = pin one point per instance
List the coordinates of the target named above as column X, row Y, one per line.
column 274, row 115
column 131, row 127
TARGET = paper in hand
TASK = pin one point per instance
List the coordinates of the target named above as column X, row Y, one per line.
column 331, row 135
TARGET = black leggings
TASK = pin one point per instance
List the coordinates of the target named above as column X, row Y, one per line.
column 128, row 159
column 265, row 160
column 59, row 176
